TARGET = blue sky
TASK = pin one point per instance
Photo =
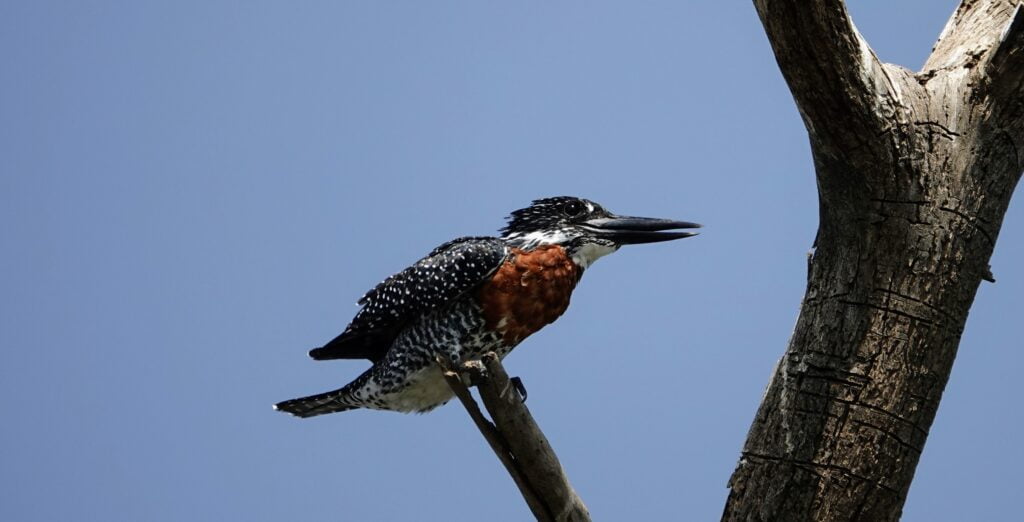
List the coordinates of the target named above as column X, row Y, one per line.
column 194, row 194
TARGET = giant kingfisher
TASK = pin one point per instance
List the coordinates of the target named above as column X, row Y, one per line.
column 471, row 296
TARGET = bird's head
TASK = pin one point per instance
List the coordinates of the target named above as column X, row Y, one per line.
column 585, row 229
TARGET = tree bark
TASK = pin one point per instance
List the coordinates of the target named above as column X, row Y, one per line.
column 915, row 172
column 517, row 440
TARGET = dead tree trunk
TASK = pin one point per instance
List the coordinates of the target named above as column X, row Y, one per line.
column 915, row 172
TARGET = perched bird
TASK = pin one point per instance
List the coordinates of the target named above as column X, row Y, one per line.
column 470, row 296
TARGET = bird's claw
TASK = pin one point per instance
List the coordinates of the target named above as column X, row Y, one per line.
column 517, row 383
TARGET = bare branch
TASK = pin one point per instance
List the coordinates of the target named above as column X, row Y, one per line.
column 1005, row 72
column 835, row 77
column 1009, row 49
column 971, row 32
column 518, row 441
column 528, row 443
column 977, row 72
column 494, row 439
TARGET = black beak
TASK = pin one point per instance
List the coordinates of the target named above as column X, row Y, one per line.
column 626, row 230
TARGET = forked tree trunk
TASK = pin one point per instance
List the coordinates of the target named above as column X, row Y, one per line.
column 915, row 172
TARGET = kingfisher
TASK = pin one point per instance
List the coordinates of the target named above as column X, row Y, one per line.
column 470, row 296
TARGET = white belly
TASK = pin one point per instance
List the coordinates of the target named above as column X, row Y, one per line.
column 427, row 390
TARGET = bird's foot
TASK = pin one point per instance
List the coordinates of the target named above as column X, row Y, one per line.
column 517, row 383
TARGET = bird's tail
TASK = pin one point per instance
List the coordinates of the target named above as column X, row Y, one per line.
column 318, row 404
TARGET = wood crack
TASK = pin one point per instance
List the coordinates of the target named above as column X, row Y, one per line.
column 819, row 466
column 889, row 310
column 900, row 202
column 948, row 133
column 887, row 291
column 973, row 222
column 882, row 411
column 889, row 434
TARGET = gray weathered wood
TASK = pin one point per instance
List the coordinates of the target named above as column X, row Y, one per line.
column 494, row 438
column 529, row 445
column 915, row 172
column 518, row 441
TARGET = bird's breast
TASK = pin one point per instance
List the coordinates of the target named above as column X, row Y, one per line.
column 529, row 291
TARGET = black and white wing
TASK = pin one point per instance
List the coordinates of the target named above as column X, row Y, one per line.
column 445, row 274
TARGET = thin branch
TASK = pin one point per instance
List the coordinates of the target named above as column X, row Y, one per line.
column 518, row 441
column 528, row 443
column 494, row 439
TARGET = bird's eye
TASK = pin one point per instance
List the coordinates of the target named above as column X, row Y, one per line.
column 573, row 209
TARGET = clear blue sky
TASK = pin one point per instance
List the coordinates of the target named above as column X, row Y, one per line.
column 194, row 194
